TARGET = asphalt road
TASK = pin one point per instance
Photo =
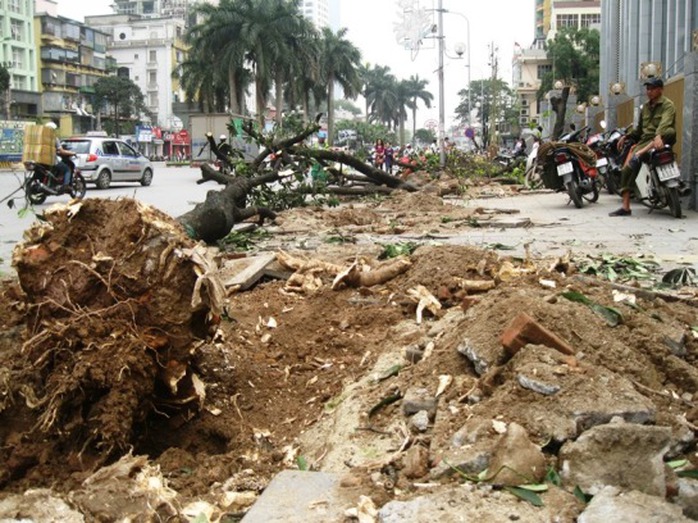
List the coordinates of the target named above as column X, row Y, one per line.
column 553, row 226
column 174, row 191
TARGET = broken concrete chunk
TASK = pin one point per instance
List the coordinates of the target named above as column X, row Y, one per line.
column 610, row 503
column 547, row 389
column 420, row 421
column 516, row 459
column 476, row 357
column 417, row 399
column 416, row 462
column 625, row 455
column 687, row 498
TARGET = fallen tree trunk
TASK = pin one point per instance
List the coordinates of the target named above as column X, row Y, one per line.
column 214, row 218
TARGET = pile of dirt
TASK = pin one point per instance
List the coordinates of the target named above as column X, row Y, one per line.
column 117, row 343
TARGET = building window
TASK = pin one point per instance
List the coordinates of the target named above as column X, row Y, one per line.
column 543, row 70
column 16, row 29
column 17, row 58
column 14, row 6
column 152, row 78
column 567, row 20
column 152, row 56
column 591, row 19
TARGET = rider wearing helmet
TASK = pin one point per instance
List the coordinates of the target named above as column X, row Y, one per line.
column 224, row 147
column 64, row 167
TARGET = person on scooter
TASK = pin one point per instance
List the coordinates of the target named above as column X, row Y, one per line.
column 656, row 128
column 62, row 167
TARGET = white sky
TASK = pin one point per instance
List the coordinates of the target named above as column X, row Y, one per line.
column 370, row 24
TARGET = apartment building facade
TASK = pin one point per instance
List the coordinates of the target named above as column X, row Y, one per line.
column 18, row 56
column 530, row 65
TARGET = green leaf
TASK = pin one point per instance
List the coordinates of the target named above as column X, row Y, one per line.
column 388, row 400
column 302, row 463
column 535, row 487
column 576, row 297
column 693, row 474
column 526, row 495
column 580, row 495
column 482, row 476
column 677, row 463
column 612, row 316
column 552, row 476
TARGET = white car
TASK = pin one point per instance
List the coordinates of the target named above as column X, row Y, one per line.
column 103, row 160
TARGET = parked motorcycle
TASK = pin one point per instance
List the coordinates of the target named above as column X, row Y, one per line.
column 570, row 166
column 616, row 158
column 659, row 182
column 40, row 182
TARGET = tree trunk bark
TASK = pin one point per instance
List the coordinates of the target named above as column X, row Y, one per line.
column 559, row 105
column 330, row 112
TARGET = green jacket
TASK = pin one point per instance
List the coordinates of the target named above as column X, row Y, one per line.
column 657, row 120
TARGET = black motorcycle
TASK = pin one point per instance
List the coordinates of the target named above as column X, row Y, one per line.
column 569, row 165
column 41, row 181
column 616, row 157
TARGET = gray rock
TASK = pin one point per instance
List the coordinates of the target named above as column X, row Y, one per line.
column 547, row 389
column 479, row 359
column 687, row 498
column 295, row 496
column 610, row 504
column 417, row 399
column 625, row 455
column 516, row 460
column 38, row 505
column 420, row 421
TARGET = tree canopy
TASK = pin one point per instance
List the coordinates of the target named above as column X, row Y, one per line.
column 575, row 56
column 121, row 98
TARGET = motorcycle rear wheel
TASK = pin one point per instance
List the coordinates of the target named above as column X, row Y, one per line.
column 573, row 192
column 613, row 181
column 34, row 193
column 673, row 200
column 79, row 186
column 592, row 196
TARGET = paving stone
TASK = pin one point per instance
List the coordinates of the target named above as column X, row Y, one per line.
column 296, row 496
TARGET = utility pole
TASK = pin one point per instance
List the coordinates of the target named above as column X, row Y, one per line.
column 442, row 109
column 494, row 111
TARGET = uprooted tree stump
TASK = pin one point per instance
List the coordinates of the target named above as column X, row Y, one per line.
column 214, row 218
column 117, row 296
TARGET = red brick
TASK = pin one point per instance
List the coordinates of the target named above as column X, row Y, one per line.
column 523, row 330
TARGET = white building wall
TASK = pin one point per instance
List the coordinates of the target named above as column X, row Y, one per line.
column 317, row 11
column 147, row 48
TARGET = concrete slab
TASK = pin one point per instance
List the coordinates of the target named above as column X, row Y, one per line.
column 296, row 496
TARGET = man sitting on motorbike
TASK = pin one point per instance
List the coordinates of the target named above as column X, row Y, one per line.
column 63, row 167
column 656, row 128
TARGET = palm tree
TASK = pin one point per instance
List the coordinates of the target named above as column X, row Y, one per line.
column 340, row 61
column 416, row 88
column 216, row 40
column 298, row 61
column 379, row 92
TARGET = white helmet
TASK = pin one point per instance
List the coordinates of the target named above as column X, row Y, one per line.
column 223, row 137
column 51, row 125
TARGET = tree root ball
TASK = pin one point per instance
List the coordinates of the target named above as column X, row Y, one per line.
column 117, row 297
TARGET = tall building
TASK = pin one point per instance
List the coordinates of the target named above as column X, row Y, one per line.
column 18, row 55
column 530, row 65
column 72, row 57
column 317, row 11
column 645, row 31
column 147, row 50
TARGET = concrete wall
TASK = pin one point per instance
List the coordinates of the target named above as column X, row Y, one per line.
column 689, row 159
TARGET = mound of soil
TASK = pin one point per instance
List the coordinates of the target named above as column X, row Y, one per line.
column 118, row 343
